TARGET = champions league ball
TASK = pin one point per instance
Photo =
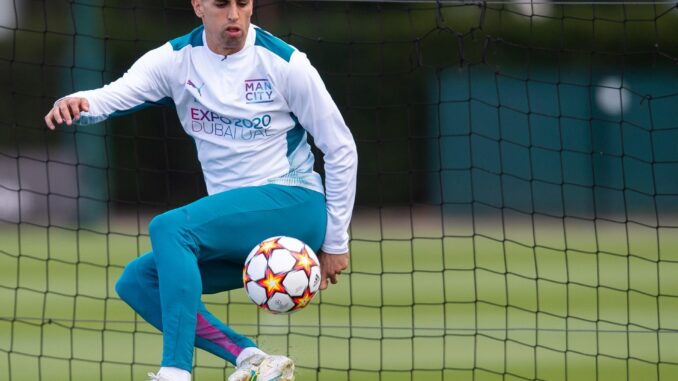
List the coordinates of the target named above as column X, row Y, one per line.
column 281, row 274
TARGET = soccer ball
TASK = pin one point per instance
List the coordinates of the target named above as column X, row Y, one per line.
column 281, row 274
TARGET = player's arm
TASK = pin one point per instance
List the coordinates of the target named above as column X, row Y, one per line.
column 143, row 84
column 310, row 101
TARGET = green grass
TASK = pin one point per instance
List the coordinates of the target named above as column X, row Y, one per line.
column 482, row 303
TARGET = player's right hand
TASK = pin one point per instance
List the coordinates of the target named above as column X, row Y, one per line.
column 331, row 265
column 66, row 110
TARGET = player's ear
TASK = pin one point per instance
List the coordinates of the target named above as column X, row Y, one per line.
column 197, row 8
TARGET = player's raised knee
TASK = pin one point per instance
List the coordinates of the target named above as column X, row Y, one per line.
column 166, row 223
column 127, row 285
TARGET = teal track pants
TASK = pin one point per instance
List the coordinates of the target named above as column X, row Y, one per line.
column 201, row 248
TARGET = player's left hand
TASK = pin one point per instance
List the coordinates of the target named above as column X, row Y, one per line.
column 331, row 266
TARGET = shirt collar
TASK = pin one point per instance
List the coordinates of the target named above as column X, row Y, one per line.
column 249, row 42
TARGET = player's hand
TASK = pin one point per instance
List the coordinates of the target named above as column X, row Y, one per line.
column 66, row 110
column 331, row 266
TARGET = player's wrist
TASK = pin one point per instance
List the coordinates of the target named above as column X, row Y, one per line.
column 334, row 250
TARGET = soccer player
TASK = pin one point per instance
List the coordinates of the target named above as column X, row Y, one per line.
column 247, row 99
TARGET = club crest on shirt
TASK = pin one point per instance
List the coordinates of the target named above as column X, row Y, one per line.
column 258, row 91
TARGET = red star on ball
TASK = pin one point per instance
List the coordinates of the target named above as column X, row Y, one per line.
column 245, row 277
column 304, row 261
column 268, row 246
column 303, row 300
column 272, row 283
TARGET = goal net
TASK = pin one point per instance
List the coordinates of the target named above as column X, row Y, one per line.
column 517, row 208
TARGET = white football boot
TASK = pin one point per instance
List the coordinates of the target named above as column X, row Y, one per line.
column 278, row 368
column 170, row 374
column 247, row 369
column 156, row 377
column 264, row 368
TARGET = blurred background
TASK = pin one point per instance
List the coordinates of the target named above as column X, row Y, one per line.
column 517, row 207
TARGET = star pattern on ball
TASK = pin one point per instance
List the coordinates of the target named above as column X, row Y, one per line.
column 303, row 300
column 272, row 283
column 304, row 261
column 267, row 247
column 245, row 278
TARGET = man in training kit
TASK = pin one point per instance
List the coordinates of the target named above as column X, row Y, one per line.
column 247, row 98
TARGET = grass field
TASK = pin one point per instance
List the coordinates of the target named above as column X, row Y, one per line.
column 429, row 297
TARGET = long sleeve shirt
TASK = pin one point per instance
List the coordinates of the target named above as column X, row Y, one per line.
column 249, row 113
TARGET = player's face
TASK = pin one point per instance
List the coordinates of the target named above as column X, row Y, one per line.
column 226, row 23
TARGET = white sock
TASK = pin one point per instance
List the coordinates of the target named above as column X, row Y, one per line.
column 174, row 374
column 247, row 352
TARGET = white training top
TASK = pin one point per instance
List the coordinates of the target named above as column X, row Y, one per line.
column 248, row 114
